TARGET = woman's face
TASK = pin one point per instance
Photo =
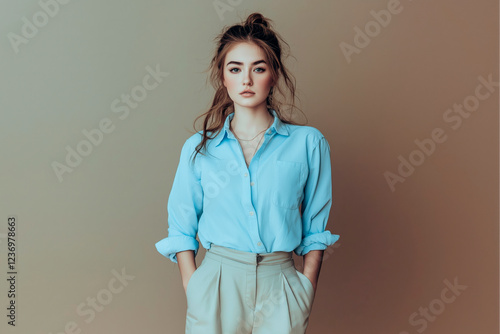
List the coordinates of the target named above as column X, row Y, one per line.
column 245, row 68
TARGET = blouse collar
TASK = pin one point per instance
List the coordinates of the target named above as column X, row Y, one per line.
column 277, row 126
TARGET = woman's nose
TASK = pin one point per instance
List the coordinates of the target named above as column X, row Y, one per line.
column 247, row 80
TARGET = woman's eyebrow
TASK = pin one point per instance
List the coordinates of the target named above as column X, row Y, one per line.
column 240, row 63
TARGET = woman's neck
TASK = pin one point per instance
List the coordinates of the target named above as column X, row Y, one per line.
column 247, row 122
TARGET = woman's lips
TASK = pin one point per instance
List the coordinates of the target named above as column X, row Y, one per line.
column 247, row 94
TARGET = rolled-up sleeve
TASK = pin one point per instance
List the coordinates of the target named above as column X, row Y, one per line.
column 185, row 204
column 317, row 201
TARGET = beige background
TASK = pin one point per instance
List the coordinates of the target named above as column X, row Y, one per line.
column 396, row 248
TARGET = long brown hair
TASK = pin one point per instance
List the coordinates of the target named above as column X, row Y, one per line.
column 258, row 30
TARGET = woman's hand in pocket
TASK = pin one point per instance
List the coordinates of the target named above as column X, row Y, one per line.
column 187, row 266
column 186, row 280
column 314, row 282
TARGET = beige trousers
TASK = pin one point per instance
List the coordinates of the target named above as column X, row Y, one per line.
column 235, row 292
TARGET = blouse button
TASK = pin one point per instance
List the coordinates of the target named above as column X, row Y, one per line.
column 245, row 175
column 251, row 213
column 259, row 244
column 251, row 183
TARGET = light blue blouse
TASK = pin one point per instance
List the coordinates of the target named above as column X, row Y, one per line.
column 281, row 202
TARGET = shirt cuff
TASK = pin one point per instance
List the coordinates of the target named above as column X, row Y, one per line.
column 317, row 241
column 169, row 246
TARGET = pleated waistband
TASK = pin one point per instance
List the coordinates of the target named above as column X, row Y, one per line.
column 244, row 259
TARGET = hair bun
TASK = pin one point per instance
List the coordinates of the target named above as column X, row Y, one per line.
column 256, row 18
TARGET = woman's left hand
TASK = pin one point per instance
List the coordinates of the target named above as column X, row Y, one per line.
column 312, row 266
column 313, row 282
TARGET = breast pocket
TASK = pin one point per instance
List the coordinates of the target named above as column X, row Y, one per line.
column 289, row 178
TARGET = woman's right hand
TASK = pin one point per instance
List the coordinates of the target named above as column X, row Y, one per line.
column 187, row 266
column 186, row 280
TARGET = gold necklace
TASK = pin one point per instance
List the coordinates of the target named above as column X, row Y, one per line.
column 255, row 151
column 257, row 146
column 230, row 128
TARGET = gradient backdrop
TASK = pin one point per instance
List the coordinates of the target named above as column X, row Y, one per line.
column 400, row 90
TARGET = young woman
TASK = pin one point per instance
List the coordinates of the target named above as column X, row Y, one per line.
column 256, row 187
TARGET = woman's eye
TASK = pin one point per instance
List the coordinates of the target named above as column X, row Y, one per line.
column 258, row 69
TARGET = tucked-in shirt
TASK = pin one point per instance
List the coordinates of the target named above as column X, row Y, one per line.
column 280, row 202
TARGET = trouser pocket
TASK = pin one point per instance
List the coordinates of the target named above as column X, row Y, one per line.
column 194, row 277
column 303, row 291
column 306, row 282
